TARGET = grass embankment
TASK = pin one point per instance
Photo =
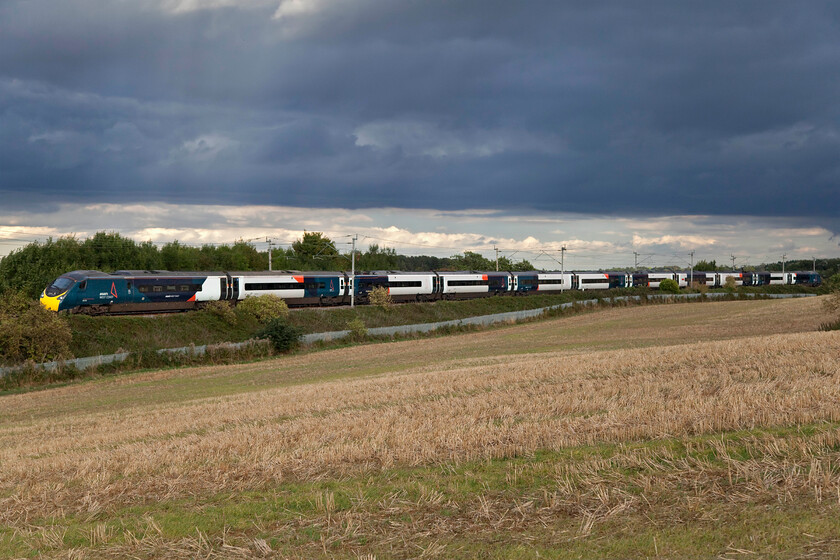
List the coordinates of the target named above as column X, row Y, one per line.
column 662, row 431
column 106, row 335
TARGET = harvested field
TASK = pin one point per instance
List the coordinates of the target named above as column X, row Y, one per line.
column 680, row 428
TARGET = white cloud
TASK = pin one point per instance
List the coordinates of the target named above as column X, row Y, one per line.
column 681, row 241
column 592, row 242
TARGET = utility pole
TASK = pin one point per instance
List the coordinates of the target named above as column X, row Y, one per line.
column 353, row 272
column 815, row 264
column 497, row 257
column 562, row 267
column 733, row 261
column 635, row 261
column 691, row 269
column 784, row 256
column 268, row 240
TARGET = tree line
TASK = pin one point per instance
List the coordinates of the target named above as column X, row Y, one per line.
column 31, row 268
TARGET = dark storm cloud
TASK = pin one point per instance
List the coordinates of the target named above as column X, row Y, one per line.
column 711, row 108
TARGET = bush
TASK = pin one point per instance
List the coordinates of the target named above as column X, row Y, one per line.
column 669, row 286
column 380, row 296
column 264, row 308
column 282, row 335
column 699, row 288
column 731, row 284
column 358, row 330
column 221, row 309
column 30, row 332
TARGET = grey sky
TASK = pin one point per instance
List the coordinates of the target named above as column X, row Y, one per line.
column 594, row 108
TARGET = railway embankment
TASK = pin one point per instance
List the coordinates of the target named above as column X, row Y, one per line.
column 230, row 350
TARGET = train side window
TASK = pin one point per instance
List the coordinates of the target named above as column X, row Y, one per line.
column 183, row 288
column 157, row 288
column 83, row 285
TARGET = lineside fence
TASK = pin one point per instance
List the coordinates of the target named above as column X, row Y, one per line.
column 483, row 320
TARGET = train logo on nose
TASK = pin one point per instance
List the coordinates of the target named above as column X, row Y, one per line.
column 114, row 290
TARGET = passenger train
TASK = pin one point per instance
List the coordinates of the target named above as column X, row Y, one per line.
column 143, row 291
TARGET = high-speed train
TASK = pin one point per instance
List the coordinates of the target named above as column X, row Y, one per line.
column 141, row 291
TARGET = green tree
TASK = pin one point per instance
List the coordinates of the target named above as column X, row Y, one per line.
column 520, row 266
column 421, row 263
column 471, row 261
column 377, row 258
column 148, row 257
column 240, row 256
column 314, row 251
column 175, row 256
column 109, row 252
column 705, row 266
column 32, row 268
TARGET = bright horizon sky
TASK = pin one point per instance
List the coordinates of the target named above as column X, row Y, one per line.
column 591, row 241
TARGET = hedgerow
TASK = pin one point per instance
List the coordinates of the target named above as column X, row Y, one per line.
column 30, row 332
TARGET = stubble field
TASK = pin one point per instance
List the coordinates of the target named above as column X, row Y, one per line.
column 690, row 430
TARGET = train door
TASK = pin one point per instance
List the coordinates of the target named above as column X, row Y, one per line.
column 575, row 282
column 224, row 288
column 437, row 283
column 228, row 288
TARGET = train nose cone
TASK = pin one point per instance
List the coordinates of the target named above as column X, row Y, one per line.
column 50, row 303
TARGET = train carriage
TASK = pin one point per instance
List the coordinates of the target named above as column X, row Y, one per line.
column 554, row 281
column 465, row 284
column 590, row 281
column 401, row 286
column 297, row 288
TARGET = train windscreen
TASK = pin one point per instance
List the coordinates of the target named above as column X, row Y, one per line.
column 60, row 286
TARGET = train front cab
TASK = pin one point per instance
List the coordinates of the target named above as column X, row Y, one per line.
column 82, row 289
column 53, row 296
